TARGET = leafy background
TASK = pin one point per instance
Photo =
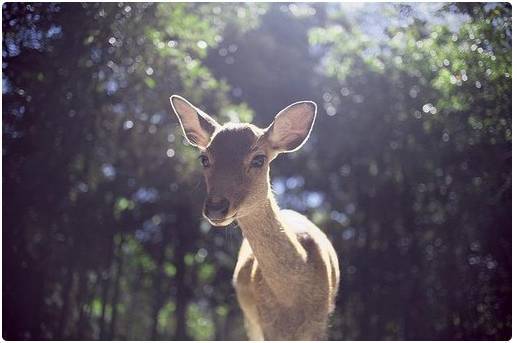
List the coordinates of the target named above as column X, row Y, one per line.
column 407, row 171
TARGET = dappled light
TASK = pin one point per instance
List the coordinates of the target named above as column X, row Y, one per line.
column 407, row 169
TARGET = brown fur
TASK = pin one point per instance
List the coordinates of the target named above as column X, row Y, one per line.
column 287, row 272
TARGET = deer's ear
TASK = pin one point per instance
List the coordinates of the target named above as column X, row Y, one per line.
column 292, row 126
column 197, row 126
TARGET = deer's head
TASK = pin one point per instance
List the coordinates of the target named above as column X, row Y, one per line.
column 235, row 157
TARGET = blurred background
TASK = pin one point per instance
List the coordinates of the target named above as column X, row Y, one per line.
column 408, row 169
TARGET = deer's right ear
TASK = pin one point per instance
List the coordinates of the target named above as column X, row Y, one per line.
column 197, row 126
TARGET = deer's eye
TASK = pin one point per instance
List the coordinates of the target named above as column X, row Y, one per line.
column 258, row 161
column 205, row 162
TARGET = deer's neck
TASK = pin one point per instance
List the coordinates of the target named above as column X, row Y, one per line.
column 280, row 256
column 265, row 218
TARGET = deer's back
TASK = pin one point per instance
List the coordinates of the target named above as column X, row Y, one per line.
column 307, row 319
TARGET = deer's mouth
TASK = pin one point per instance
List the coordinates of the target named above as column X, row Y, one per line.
column 222, row 221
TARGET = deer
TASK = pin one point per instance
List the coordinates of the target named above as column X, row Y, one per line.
column 287, row 273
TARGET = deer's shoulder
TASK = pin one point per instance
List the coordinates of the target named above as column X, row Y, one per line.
column 307, row 233
column 297, row 223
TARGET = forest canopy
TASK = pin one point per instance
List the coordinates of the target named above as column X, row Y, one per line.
column 407, row 170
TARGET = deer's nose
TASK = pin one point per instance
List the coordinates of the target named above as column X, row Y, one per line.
column 216, row 207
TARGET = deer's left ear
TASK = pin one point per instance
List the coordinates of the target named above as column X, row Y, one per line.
column 292, row 126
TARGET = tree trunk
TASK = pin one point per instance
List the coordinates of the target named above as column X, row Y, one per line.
column 82, row 298
column 105, row 290
column 158, row 294
column 181, row 288
column 63, row 316
column 120, row 265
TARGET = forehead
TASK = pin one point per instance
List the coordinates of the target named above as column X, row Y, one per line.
column 234, row 141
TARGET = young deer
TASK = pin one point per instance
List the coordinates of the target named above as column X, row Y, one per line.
column 287, row 273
